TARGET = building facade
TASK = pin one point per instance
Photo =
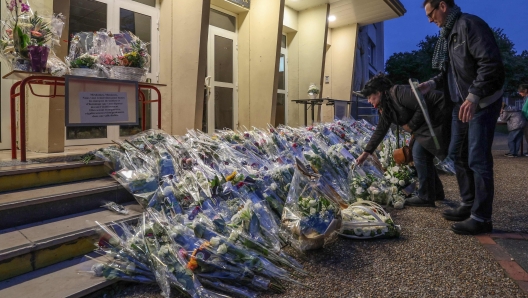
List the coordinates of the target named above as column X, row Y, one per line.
column 226, row 63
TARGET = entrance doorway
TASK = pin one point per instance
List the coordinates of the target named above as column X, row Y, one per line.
column 221, row 104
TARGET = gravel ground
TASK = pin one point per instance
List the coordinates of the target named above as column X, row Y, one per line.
column 427, row 260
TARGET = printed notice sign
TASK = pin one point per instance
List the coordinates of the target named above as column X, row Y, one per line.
column 101, row 107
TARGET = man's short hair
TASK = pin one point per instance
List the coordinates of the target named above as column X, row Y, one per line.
column 436, row 3
column 523, row 87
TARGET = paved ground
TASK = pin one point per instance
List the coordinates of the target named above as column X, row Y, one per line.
column 428, row 260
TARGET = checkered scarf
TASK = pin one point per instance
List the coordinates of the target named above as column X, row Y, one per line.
column 440, row 54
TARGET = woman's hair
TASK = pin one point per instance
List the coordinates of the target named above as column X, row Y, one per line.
column 378, row 83
column 522, row 87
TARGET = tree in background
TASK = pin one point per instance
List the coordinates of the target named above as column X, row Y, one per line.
column 417, row 64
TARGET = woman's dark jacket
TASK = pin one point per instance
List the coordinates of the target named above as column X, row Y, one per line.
column 400, row 106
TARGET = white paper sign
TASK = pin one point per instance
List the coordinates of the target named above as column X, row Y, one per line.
column 101, row 107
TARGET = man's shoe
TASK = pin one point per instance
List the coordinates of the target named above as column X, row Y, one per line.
column 508, row 154
column 417, row 202
column 472, row 227
column 513, row 155
column 457, row 214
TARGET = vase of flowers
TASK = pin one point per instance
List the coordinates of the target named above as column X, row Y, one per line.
column 313, row 91
column 25, row 36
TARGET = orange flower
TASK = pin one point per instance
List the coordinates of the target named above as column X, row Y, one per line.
column 192, row 263
column 36, row 33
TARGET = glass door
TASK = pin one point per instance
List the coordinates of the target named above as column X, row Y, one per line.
column 5, row 118
column 140, row 17
column 222, row 77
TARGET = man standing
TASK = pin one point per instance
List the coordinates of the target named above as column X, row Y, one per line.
column 472, row 75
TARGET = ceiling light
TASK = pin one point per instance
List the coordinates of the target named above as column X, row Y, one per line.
column 331, row 18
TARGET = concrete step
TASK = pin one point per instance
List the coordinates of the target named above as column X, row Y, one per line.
column 33, row 205
column 59, row 280
column 31, row 247
column 35, row 175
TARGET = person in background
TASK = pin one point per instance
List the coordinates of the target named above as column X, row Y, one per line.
column 397, row 104
column 523, row 91
column 472, row 76
column 516, row 123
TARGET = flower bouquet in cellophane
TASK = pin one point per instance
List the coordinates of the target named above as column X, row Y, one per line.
column 366, row 219
column 310, row 217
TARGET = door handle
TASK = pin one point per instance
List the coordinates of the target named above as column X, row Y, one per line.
column 208, row 82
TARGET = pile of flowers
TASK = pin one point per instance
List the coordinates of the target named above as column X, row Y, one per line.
column 219, row 209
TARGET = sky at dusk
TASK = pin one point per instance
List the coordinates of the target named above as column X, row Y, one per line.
column 404, row 33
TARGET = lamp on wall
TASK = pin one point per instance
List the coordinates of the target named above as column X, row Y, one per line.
column 331, row 18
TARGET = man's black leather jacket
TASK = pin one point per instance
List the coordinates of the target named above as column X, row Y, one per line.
column 476, row 60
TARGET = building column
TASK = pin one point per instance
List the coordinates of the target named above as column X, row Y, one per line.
column 184, row 26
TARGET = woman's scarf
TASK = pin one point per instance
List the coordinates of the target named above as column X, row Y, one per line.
column 440, row 54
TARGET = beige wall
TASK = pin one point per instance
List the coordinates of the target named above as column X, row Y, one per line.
column 258, row 56
column 183, row 48
column 290, row 20
column 343, row 50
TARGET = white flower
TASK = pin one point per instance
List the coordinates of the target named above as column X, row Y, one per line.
column 382, row 154
column 402, row 183
column 233, row 236
column 273, row 186
column 359, row 191
column 222, row 249
column 215, row 241
column 366, row 232
column 313, row 203
column 394, row 189
column 395, row 169
column 382, row 160
column 394, row 180
column 312, row 211
column 375, row 192
column 387, row 177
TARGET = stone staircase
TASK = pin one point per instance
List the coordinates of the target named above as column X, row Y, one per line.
column 47, row 225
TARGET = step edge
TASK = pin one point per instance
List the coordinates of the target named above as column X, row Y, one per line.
column 103, row 284
column 53, row 241
column 49, row 167
column 58, row 197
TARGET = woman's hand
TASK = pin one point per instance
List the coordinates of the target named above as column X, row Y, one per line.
column 407, row 128
column 361, row 159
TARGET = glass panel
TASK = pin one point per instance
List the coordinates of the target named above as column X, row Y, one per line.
column 147, row 2
column 86, row 132
column 130, row 130
column 283, row 41
column 223, row 59
column 282, row 72
column 223, row 107
column 137, row 23
column 205, row 109
column 86, row 16
column 280, row 111
column 222, row 20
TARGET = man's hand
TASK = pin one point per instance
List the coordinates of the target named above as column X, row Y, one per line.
column 467, row 111
column 361, row 159
column 425, row 87
column 407, row 128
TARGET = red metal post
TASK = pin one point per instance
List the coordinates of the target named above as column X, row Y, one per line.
column 12, row 105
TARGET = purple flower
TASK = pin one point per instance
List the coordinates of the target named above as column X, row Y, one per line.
column 11, row 5
column 24, row 7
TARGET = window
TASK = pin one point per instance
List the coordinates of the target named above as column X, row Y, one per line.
column 371, row 50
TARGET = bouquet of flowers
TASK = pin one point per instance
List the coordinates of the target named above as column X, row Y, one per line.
column 313, row 89
column 365, row 219
column 27, row 37
column 310, row 217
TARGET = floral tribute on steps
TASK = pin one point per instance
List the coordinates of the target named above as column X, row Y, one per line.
column 219, row 210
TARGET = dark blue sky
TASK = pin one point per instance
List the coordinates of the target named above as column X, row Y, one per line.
column 404, row 33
